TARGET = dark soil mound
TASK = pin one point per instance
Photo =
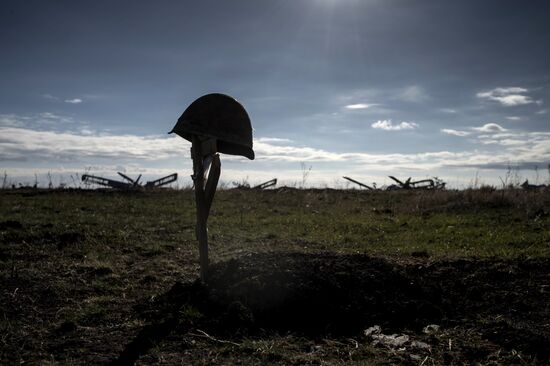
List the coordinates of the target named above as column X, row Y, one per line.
column 309, row 294
column 320, row 295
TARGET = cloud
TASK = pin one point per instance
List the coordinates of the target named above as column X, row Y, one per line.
column 31, row 150
column 22, row 144
column 513, row 118
column 542, row 111
column 56, row 141
column 448, row 110
column 50, row 97
column 42, row 121
column 389, row 126
column 489, row 130
column 360, row 106
column 449, row 131
column 508, row 97
column 517, row 149
column 528, row 147
column 12, row 120
column 527, row 138
column 273, row 140
column 489, row 127
column 504, row 165
column 51, row 117
column 54, row 98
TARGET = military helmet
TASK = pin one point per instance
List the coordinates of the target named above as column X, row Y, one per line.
column 221, row 117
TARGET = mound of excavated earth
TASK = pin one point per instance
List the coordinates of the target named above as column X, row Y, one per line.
column 505, row 303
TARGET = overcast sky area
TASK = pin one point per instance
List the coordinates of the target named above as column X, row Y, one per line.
column 362, row 88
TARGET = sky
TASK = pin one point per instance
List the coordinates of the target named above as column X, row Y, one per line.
column 362, row 88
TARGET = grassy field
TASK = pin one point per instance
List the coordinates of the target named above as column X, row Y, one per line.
column 99, row 277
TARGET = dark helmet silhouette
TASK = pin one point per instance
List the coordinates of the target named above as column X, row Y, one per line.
column 221, row 117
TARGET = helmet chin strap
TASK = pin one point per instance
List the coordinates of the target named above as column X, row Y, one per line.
column 207, row 148
column 206, row 162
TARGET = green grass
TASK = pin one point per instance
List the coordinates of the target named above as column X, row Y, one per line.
column 114, row 229
column 88, row 256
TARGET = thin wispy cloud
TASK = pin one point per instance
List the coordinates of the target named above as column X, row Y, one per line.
column 274, row 140
column 449, row 131
column 360, row 106
column 389, row 126
column 523, row 146
column 12, row 120
column 43, row 121
column 57, row 99
column 50, row 97
column 508, row 97
column 518, row 148
column 489, row 129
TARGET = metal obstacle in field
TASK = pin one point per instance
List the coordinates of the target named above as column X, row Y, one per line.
column 130, row 183
column 434, row 183
column 359, row 183
column 214, row 123
column 264, row 185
